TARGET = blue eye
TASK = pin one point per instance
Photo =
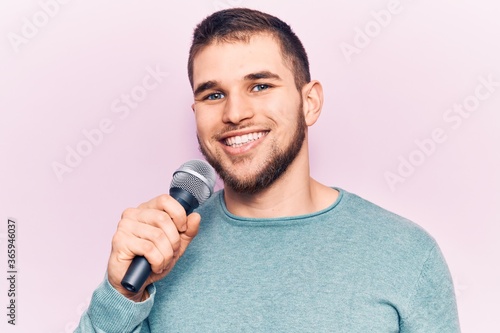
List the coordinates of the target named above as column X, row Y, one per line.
column 260, row 87
column 215, row 96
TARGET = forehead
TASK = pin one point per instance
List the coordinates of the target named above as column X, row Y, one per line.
column 226, row 61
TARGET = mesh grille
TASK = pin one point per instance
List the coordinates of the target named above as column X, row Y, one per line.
column 197, row 177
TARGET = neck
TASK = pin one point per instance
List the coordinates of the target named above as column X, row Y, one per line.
column 294, row 193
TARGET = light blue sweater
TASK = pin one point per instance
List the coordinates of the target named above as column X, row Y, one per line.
column 353, row 267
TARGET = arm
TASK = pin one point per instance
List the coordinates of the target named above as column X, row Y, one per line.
column 158, row 230
column 110, row 311
column 432, row 307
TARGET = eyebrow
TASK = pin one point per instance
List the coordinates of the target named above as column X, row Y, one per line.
column 249, row 77
column 205, row 86
column 262, row 75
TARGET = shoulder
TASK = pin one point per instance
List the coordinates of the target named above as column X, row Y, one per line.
column 382, row 226
column 383, row 239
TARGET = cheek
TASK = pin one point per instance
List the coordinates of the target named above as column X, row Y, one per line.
column 282, row 106
column 205, row 127
column 283, row 115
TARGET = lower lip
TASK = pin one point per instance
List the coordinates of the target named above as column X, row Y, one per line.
column 244, row 148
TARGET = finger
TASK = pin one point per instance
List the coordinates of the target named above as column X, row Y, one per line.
column 169, row 205
column 132, row 229
column 127, row 246
column 193, row 225
column 161, row 220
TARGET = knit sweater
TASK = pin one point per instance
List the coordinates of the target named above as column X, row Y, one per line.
column 352, row 267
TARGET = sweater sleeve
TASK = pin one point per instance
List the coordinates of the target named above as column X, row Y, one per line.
column 432, row 307
column 109, row 312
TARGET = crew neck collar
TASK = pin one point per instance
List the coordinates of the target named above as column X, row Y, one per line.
column 276, row 220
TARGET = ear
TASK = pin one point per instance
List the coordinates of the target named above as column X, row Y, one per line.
column 312, row 97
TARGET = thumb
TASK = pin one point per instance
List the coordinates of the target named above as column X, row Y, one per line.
column 193, row 224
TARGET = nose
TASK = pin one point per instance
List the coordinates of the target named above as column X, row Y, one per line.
column 236, row 109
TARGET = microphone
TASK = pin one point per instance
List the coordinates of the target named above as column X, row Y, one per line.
column 192, row 184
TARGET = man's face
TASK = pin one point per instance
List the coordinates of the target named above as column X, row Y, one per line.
column 250, row 122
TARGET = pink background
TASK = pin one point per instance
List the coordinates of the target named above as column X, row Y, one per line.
column 69, row 74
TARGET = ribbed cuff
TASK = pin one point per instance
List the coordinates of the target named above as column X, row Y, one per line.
column 112, row 312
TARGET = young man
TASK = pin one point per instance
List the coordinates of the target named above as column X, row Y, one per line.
column 277, row 251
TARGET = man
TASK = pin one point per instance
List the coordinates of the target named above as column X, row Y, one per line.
column 277, row 251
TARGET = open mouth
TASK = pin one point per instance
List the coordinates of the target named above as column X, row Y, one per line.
column 240, row 140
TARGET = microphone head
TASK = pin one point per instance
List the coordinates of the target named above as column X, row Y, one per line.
column 196, row 177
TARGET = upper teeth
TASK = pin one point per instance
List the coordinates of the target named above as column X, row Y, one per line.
column 236, row 141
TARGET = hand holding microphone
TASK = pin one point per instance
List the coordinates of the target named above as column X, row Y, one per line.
column 151, row 238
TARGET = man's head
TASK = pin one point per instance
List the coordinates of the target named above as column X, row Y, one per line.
column 239, row 24
column 252, row 105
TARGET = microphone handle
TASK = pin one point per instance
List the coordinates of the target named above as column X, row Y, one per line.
column 140, row 269
column 136, row 274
